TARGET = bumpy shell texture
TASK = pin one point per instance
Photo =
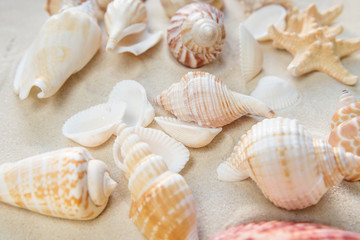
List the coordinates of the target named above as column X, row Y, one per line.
column 196, row 34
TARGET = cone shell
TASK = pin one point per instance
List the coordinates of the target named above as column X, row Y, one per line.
column 66, row 183
column 202, row 98
column 196, row 34
column 171, row 6
column 278, row 153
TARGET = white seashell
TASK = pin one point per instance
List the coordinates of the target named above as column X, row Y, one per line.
column 175, row 154
column 190, row 134
column 66, row 43
column 260, row 20
column 139, row 111
column 251, row 57
column 93, row 126
column 171, row 6
column 125, row 23
column 276, row 93
column 56, row 6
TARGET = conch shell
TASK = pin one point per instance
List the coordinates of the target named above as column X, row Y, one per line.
column 125, row 23
column 279, row 153
column 65, row 44
column 171, row 6
column 162, row 204
column 67, row 183
column 345, row 124
column 196, row 34
column 202, row 98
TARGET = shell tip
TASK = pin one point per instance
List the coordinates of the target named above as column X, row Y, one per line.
column 109, row 184
column 229, row 174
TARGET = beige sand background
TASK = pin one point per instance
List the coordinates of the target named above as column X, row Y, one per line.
column 33, row 126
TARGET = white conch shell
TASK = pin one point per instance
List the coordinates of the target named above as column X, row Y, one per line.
column 67, row 183
column 65, row 44
column 162, row 204
column 174, row 153
column 250, row 56
column 93, row 126
column 171, row 6
column 125, row 23
column 139, row 111
column 196, row 34
column 190, row 134
column 202, row 98
column 276, row 93
column 260, row 20
column 292, row 169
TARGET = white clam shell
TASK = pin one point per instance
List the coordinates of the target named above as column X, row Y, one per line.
column 276, row 93
column 250, row 56
column 190, row 134
column 174, row 153
column 139, row 111
column 260, row 20
column 95, row 125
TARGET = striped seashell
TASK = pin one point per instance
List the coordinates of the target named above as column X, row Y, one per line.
column 278, row 153
column 196, row 34
column 66, row 183
column 202, row 98
column 162, row 204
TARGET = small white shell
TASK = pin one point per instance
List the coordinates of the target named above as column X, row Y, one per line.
column 251, row 57
column 139, row 111
column 190, row 134
column 260, row 20
column 276, row 93
column 93, row 126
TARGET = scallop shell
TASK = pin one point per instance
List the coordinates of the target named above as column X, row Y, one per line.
column 196, row 34
column 67, row 183
column 278, row 153
column 202, row 98
column 173, row 152
column 125, row 24
column 171, row 6
column 65, row 44
column 93, row 126
column 190, row 134
column 139, row 111
column 162, row 204
column 274, row 15
column 276, row 93
column 251, row 57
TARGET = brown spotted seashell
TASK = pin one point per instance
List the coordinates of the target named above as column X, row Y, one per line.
column 196, row 34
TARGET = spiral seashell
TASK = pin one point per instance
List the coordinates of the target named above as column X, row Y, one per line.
column 67, row 183
column 196, row 34
column 171, row 6
column 202, row 98
column 162, row 204
column 345, row 124
column 279, row 153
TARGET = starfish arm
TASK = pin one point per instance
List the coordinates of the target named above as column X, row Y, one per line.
column 285, row 40
column 302, row 63
column 346, row 47
column 329, row 16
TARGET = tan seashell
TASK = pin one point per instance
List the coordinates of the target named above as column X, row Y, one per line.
column 196, row 34
column 162, row 204
column 67, row 183
column 103, row 4
column 278, row 153
column 55, row 6
column 345, row 124
column 202, row 98
column 171, row 6
column 250, row 6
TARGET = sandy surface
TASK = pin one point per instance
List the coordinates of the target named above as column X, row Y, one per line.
column 33, row 126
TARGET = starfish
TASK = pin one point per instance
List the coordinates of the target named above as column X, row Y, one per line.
column 316, row 50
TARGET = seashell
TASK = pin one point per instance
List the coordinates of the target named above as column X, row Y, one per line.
column 202, row 98
column 139, row 111
column 93, row 126
column 171, row 6
column 196, row 34
column 278, row 153
column 67, row 183
column 162, row 204
column 125, row 24
column 55, row 6
column 190, row 134
column 285, row 231
column 175, row 154
column 345, row 124
column 251, row 56
column 103, row 4
column 276, row 93
column 250, row 6
column 274, row 15
column 61, row 49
